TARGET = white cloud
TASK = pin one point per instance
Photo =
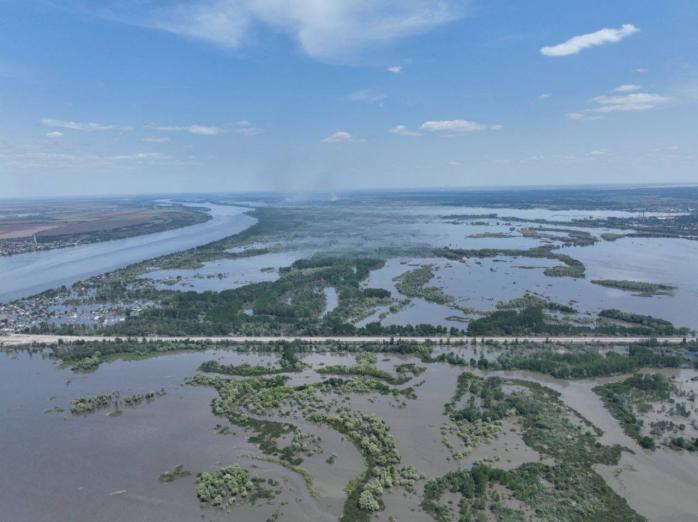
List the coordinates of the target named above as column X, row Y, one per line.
column 402, row 130
column 641, row 70
column 324, row 29
column 627, row 87
column 80, row 126
column 54, row 134
column 200, row 130
column 395, row 69
column 582, row 116
column 156, row 139
column 578, row 43
column 341, row 137
column 598, row 152
column 245, row 128
column 367, row 96
column 639, row 101
column 38, row 158
column 203, row 130
column 249, row 131
column 453, row 126
column 544, row 96
column 455, row 163
column 624, row 101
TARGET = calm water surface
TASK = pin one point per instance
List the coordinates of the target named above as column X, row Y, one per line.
column 28, row 274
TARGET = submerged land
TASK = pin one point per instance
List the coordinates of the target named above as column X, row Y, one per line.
column 442, row 356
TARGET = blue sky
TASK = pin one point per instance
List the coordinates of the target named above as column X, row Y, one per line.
column 135, row 96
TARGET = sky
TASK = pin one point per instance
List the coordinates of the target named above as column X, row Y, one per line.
column 152, row 96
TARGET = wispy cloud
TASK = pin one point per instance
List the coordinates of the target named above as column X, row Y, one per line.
column 368, row 96
column 582, row 116
column 342, row 137
column 456, row 126
column 402, row 130
column 156, row 139
column 578, row 43
column 625, row 101
column 199, row 130
column 248, row 131
column 627, row 87
column 544, row 96
column 54, row 134
column 81, row 126
column 395, row 69
column 639, row 101
column 326, row 30
column 37, row 158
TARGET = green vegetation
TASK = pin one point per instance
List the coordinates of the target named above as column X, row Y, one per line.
column 570, row 267
column 85, row 405
column 480, row 421
column 533, row 301
column 529, row 321
column 289, row 362
column 371, row 435
column 243, row 401
column 75, row 353
column 571, row 237
column 530, row 492
column 292, row 305
column 244, row 370
column 138, row 398
column 177, row 473
column 87, row 364
column 90, row 404
column 617, row 320
column 630, row 400
column 642, row 288
column 585, row 363
column 366, row 366
column 569, row 489
column 532, row 321
column 413, row 284
column 610, row 236
column 229, row 486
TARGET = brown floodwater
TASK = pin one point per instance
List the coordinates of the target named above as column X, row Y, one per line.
column 56, row 466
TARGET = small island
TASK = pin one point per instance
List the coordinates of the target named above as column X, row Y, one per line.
column 642, row 288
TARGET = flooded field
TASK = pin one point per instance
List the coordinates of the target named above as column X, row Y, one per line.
column 480, row 259
column 226, row 274
column 106, row 467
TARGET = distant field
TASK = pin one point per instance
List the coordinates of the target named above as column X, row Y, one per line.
column 87, row 221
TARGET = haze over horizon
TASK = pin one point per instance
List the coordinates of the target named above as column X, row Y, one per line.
column 306, row 96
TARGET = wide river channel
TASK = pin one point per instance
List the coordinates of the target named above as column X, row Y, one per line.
column 28, row 274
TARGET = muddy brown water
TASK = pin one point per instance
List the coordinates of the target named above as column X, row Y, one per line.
column 57, row 467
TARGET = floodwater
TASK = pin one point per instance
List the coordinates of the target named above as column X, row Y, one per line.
column 479, row 284
column 28, row 274
column 476, row 284
column 331, row 299
column 56, row 466
column 102, row 468
column 660, row 485
column 226, row 274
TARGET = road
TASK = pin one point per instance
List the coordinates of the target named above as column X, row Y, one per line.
column 47, row 339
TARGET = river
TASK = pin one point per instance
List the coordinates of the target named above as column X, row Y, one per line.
column 28, row 274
